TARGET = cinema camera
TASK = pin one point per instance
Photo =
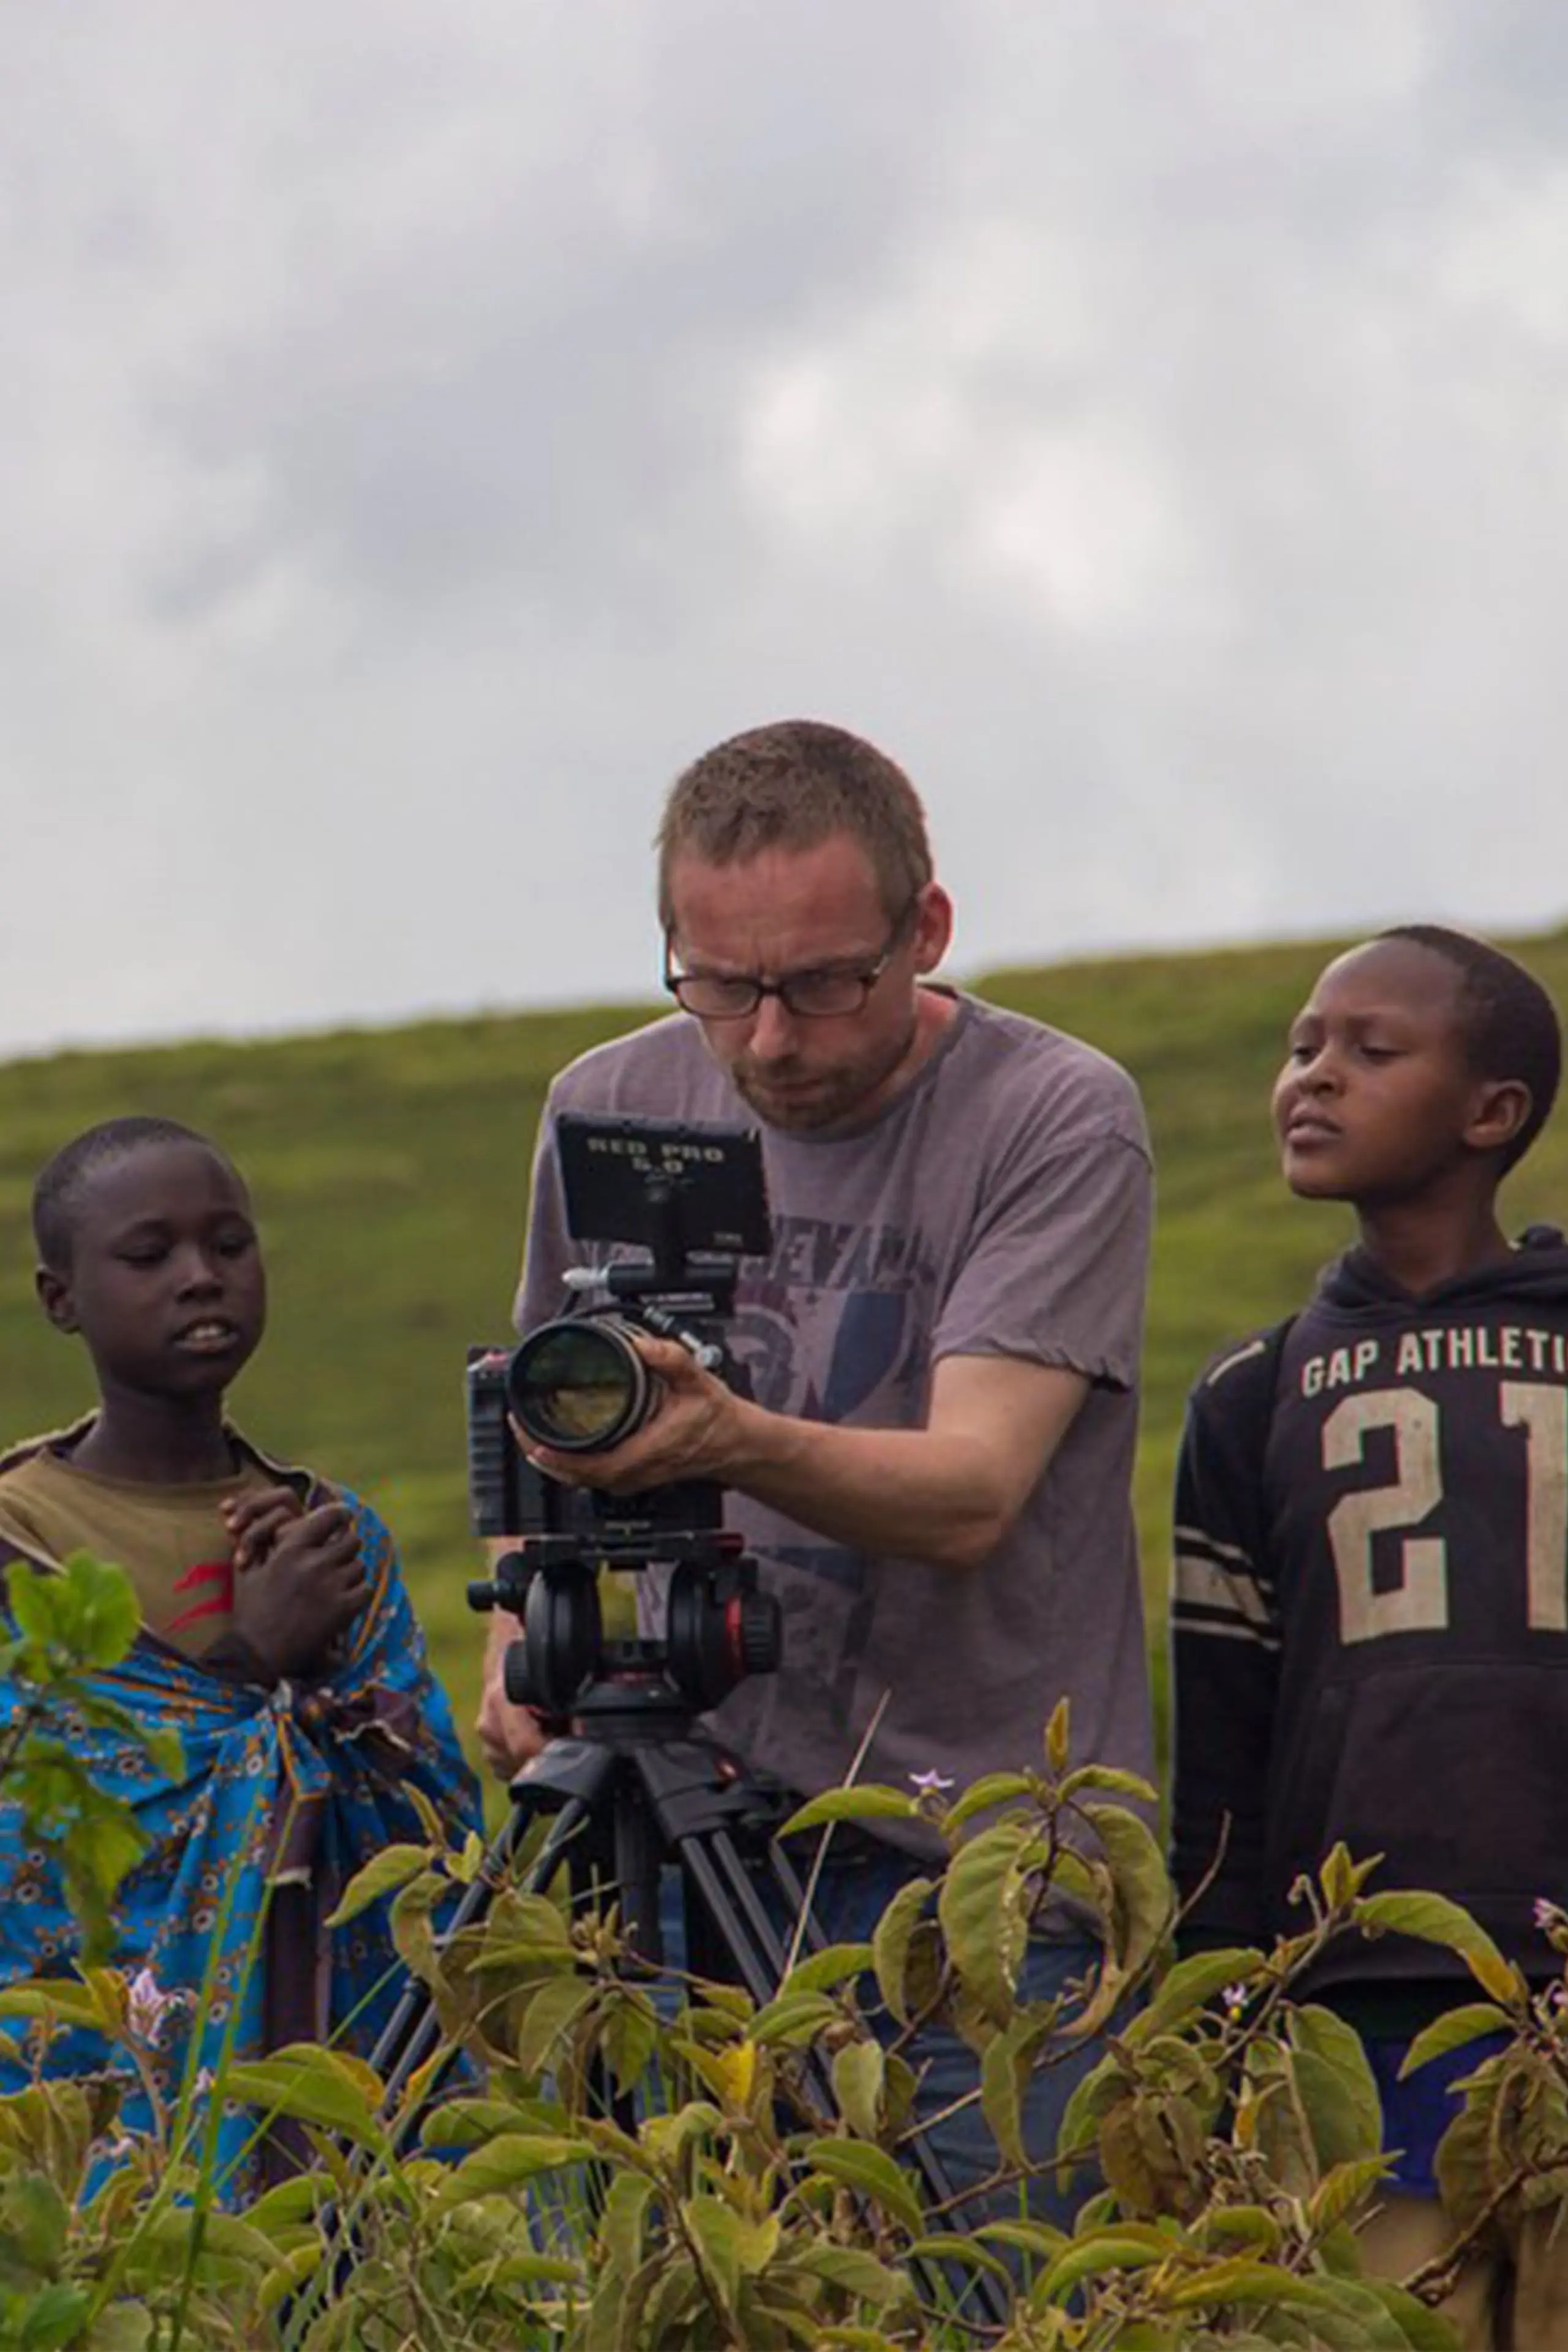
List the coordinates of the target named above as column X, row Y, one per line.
column 692, row 1199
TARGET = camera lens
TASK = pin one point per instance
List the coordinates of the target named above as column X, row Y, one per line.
column 579, row 1385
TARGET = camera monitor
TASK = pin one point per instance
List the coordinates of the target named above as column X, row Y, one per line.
column 670, row 1189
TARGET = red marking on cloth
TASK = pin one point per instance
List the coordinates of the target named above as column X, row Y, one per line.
column 208, row 1571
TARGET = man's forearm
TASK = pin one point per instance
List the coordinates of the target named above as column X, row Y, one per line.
column 946, row 1493
column 916, row 1494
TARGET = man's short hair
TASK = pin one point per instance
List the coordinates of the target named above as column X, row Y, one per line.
column 59, row 1192
column 791, row 785
column 1511, row 1024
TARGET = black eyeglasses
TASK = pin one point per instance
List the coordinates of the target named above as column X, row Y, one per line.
column 833, row 988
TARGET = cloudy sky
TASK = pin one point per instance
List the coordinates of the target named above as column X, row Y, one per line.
column 423, row 426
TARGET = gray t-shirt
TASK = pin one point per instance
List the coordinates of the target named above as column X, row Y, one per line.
column 999, row 1206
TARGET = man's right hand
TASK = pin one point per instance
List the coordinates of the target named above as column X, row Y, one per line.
column 509, row 1735
column 290, row 1606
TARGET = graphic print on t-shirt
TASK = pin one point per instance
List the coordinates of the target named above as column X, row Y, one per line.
column 874, row 1372
column 815, row 1342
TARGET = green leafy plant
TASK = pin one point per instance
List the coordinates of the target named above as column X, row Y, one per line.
column 66, row 1625
column 618, row 2175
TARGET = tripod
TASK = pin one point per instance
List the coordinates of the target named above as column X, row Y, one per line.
column 630, row 1790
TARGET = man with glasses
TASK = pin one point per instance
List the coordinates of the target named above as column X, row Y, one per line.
column 934, row 1468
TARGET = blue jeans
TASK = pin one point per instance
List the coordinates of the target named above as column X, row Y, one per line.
column 1419, row 2111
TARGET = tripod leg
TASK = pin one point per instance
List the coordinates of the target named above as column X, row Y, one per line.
column 637, row 1850
column 404, row 2042
column 748, row 1937
column 413, row 2032
column 976, row 2292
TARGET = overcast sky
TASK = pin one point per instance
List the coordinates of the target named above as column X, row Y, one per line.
column 425, row 423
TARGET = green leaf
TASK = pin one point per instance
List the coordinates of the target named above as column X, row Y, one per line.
column 428, row 1811
column 947, row 2246
column 1432, row 1920
column 1343, row 2189
column 409, row 1919
column 392, row 1868
column 290, row 2204
column 460, row 2123
column 980, row 1906
column 621, row 2225
column 314, row 2086
column 1338, row 2093
column 1424, row 2330
column 1452, row 2030
column 1112, row 1780
column 528, row 1919
column 870, row 1803
column 505, row 2163
column 852, row 2270
column 1036, row 2238
column 51, row 2319
column 891, row 1944
column 1006, row 2070
column 282, row 2280
column 826, row 1968
column 871, row 2172
column 108, row 1616
column 521, row 2270
column 677, row 2312
column 1085, row 2258
column 857, row 2072
column 793, row 2019
column 1136, row 2156
column 1464, row 2161
column 1058, row 1733
column 1145, row 1900
column 1238, row 2279
column 629, row 2040
column 37, row 1597
column 664, row 2137
column 991, row 1789
column 1251, row 2226
column 72, row 2003
column 550, row 2014
column 1092, row 2098
column 123, row 2328
column 33, row 2220
column 1189, row 1985
column 734, row 2247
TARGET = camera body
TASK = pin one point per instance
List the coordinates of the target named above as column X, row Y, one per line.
column 508, row 1497
column 693, row 1198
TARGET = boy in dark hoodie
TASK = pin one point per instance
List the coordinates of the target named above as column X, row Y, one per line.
column 1369, row 1622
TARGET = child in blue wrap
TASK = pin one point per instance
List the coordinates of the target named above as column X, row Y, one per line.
column 276, row 1641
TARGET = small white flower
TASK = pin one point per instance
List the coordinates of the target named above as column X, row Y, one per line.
column 148, row 2007
column 929, row 1784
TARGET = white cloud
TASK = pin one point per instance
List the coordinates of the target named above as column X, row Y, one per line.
column 422, row 430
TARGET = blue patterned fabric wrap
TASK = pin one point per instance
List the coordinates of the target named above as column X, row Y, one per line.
column 314, row 1770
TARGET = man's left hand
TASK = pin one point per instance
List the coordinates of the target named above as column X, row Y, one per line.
column 692, row 1433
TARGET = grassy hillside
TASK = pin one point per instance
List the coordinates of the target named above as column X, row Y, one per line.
column 390, row 1174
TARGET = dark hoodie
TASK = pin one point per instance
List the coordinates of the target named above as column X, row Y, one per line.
column 1370, row 1624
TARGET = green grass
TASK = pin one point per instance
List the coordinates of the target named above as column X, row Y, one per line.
column 390, row 1171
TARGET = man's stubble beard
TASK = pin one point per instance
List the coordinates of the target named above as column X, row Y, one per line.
column 834, row 1096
